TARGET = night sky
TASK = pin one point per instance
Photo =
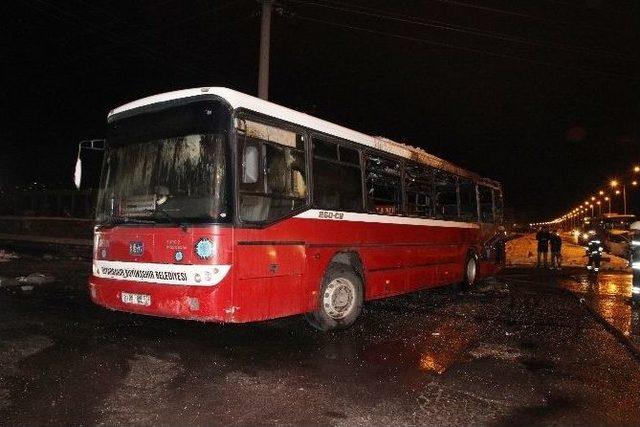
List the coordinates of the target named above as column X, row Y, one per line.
column 541, row 95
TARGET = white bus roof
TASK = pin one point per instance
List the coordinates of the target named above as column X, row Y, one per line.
column 241, row 100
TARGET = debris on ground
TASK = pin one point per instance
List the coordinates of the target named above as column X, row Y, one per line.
column 6, row 256
column 36, row 279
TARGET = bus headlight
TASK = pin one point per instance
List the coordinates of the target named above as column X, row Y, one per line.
column 204, row 248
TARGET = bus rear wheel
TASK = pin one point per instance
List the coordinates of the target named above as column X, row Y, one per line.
column 340, row 299
column 470, row 273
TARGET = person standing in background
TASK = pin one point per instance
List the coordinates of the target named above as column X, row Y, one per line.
column 594, row 253
column 634, row 260
column 556, row 250
column 543, row 245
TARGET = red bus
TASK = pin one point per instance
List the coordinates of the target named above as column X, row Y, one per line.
column 218, row 206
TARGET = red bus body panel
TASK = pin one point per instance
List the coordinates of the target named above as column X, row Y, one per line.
column 276, row 271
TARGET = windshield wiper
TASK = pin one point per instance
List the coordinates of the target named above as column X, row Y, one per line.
column 168, row 216
column 113, row 221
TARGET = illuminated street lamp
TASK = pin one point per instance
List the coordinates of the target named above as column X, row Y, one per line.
column 593, row 198
column 591, row 206
column 601, row 193
column 608, row 199
column 599, row 208
column 636, row 169
column 614, row 184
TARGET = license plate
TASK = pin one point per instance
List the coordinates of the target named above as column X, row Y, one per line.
column 137, row 299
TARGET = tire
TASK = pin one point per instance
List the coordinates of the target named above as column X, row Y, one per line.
column 470, row 273
column 340, row 299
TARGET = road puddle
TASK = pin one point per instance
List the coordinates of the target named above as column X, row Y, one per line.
column 608, row 295
column 433, row 350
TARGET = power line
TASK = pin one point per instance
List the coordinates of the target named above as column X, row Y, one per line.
column 463, row 48
column 377, row 13
column 519, row 14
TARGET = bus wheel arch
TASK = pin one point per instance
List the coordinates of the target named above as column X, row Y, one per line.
column 352, row 259
column 341, row 294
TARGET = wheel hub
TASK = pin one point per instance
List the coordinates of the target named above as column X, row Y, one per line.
column 339, row 297
column 471, row 271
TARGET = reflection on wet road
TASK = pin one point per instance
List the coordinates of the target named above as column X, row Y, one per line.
column 516, row 350
column 609, row 295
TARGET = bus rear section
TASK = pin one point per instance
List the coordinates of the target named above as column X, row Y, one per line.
column 216, row 206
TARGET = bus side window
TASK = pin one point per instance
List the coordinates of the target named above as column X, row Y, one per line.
column 384, row 189
column 250, row 164
column 337, row 178
column 486, row 204
column 468, row 200
column 272, row 169
column 499, row 206
column 418, row 183
column 446, row 190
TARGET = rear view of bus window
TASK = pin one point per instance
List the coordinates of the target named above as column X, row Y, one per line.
column 486, row 204
column 499, row 206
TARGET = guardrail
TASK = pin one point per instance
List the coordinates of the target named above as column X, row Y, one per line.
column 49, row 203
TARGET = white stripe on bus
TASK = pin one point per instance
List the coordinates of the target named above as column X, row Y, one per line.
column 329, row 215
column 169, row 274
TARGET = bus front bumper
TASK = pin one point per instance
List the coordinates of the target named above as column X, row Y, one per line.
column 209, row 304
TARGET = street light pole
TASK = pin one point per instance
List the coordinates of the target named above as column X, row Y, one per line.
column 265, row 43
column 624, row 197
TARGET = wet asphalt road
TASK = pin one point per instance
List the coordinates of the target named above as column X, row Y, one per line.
column 528, row 348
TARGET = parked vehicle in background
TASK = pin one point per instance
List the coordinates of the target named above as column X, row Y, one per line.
column 219, row 206
column 614, row 231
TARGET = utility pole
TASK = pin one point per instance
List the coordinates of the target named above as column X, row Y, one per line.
column 265, row 41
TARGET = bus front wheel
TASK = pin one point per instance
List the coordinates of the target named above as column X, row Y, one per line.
column 340, row 299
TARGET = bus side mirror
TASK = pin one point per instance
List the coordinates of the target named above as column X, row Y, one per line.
column 77, row 173
column 87, row 144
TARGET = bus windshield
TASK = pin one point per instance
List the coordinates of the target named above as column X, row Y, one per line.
column 166, row 167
